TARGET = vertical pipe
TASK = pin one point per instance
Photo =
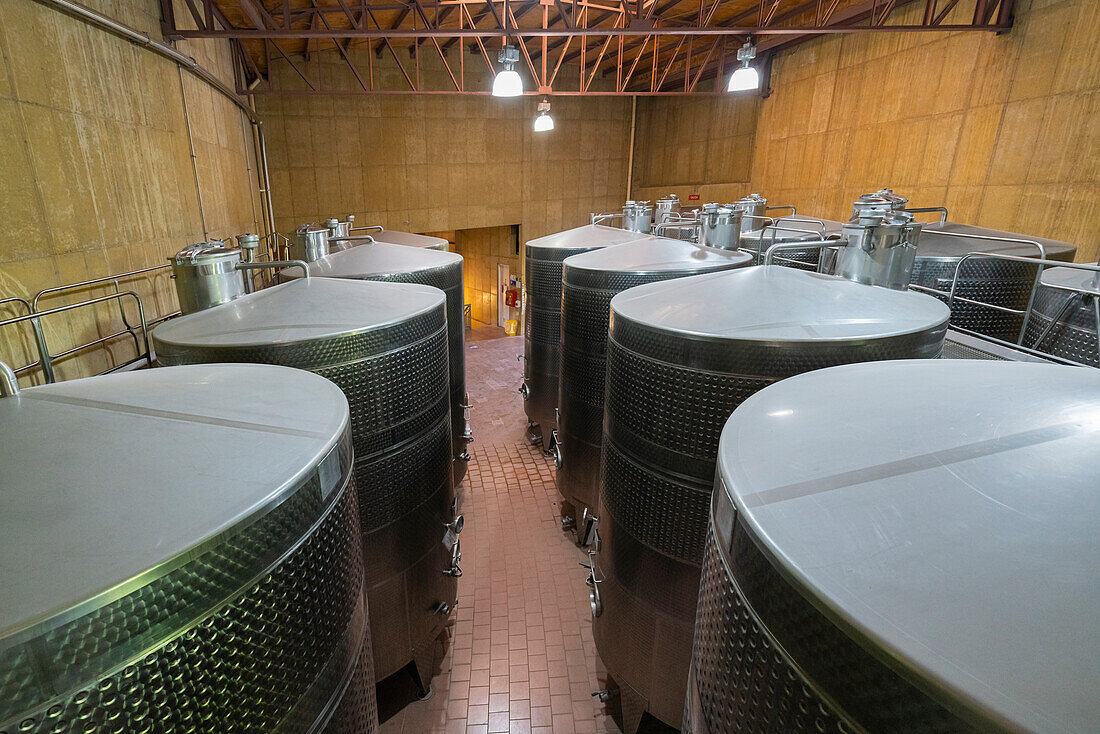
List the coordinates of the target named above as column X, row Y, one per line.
column 262, row 153
column 630, row 155
column 194, row 160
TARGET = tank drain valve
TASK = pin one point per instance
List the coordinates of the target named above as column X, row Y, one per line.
column 455, row 570
column 464, row 456
column 605, row 695
column 442, row 609
column 524, row 390
column 555, row 448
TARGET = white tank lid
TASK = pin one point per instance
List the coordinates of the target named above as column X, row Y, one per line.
column 590, row 235
column 376, row 259
column 945, row 511
column 652, row 254
column 298, row 311
column 408, row 239
column 933, row 244
column 772, row 303
column 108, row 477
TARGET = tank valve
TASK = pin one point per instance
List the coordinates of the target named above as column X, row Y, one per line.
column 442, row 609
column 568, row 522
column 524, row 390
column 556, row 451
column 464, row 456
column 604, row 696
column 455, row 571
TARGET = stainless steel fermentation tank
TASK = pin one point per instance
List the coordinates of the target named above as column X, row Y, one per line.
column 681, row 355
column 392, row 263
column 1065, row 317
column 873, row 586
column 542, row 333
column 589, row 281
column 1002, row 283
column 195, row 563
column 385, row 346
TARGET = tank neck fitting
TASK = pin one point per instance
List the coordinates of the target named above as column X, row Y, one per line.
column 880, row 248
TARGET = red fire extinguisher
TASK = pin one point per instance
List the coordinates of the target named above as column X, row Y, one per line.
column 511, row 297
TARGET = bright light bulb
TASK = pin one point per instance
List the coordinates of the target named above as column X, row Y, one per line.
column 744, row 79
column 543, row 123
column 508, row 84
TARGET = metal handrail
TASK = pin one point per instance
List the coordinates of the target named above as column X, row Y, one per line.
column 597, row 218
column 379, row 227
column 129, row 329
column 46, row 359
column 782, row 206
column 9, row 383
column 275, row 264
column 773, row 228
column 929, row 209
column 819, row 245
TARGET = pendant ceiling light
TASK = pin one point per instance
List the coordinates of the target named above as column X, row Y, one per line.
column 544, row 121
column 507, row 82
column 746, row 77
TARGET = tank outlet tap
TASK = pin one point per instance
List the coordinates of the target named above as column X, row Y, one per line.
column 524, row 390
column 604, row 696
column 443, row 609
column 464, row 456
column 455, row 571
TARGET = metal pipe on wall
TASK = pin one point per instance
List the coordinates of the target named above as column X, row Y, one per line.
column 630, row 155
column 194, row 159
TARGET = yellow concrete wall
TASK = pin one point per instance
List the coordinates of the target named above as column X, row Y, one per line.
column 97, row 175
column 1003, row 130
column 695, row 145
column 426, row 163
column 483, row 249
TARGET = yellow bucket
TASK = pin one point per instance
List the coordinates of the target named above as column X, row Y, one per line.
column 511, row 327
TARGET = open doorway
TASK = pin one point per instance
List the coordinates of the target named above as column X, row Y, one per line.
column 491, row 267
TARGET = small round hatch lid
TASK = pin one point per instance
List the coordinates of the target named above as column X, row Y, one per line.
column 777, row 304
column 201, row 252
column 942, row 513
column 656, row 254
column 153, row 463
column 298, row 311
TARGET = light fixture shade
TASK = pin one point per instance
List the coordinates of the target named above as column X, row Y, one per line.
column 744, row 79
column 543, row 123
column 508, row 84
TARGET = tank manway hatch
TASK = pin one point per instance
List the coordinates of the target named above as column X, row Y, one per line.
column 681, row 356
column 924, row 565
column 385, row 346
column 178, row 519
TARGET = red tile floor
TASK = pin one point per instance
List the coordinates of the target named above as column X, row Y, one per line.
column 521, row 657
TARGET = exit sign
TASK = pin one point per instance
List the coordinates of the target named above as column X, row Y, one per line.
column 693, row 197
